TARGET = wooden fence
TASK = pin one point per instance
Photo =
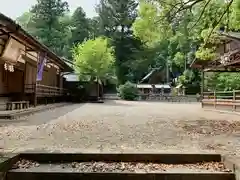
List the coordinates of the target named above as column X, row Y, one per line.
column 44, row 91
column 227, row 100
column 169, row 98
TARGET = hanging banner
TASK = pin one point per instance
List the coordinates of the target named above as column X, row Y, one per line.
column 40, row 66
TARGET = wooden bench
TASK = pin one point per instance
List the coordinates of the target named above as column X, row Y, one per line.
column 17, row 105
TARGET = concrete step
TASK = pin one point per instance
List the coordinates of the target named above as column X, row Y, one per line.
column 60, row 166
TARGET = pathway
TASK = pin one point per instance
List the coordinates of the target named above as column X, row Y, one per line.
column 121, row 126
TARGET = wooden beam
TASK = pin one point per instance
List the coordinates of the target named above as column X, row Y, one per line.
column 28, row 49
column 2, row 34
column 224, row 69
column 233, row 71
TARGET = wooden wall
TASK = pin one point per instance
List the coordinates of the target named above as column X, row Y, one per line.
column 15, row 81
column 30, row 73
column 10, row 82
column 50, row 77
column 3, row 86
column 230, row 46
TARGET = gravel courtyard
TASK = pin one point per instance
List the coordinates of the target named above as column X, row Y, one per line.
column 121, row 126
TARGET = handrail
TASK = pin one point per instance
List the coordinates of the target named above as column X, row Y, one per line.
column 44, row 90
column 206, row 92
column 45, row 86
column 229, row 98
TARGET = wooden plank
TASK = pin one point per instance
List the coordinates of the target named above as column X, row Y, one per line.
column 222, row 103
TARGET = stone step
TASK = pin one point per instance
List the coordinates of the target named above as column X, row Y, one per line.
column 64, row 166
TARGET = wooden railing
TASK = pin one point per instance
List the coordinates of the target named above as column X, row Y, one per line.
column 44, row 91
column 169, row 97
column 222, row 98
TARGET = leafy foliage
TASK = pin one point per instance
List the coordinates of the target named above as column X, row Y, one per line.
column 187, row 29
column 222, row 81
column 128, row 91
column 115, row 21
column 45, row 20
column 94, row 59
column 158, row 34
column 50, row 22
column 24, row 20
column 206, row 53
column 80, row 26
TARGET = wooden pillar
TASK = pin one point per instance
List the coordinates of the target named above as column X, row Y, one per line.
column 234, row 100
column 35, row 95
column 97, row 89
column 162, row 91
column 167, row 72
column 202, row 87
column 35, row 85
column 24, row 79
column 215, row 100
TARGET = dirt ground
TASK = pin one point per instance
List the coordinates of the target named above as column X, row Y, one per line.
column 121, row 126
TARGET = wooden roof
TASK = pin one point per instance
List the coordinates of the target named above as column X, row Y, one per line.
column 232, row 64
column 16, row 30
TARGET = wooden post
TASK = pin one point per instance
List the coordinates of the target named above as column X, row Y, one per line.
column 214, row 96
column 35, row 85
column 167, row 72
column 97, row 89
column 162, row 91
column 234, row 100
column 24, row 79
column 35, row 95
column 202, row 88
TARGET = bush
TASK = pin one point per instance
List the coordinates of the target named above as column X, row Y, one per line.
column 128, row 91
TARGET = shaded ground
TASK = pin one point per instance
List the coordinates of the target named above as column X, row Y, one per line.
column 120, row 126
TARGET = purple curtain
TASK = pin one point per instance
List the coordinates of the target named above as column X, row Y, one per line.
column 40, row 67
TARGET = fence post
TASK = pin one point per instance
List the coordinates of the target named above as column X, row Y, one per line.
column 234, row 100
column 35, row 94
column 214, row 96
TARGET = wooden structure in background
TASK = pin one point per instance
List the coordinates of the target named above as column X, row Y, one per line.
column 227, row 60
column 154, row 84
column 19, row 56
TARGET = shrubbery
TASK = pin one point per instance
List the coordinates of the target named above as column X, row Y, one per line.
column 128, row 91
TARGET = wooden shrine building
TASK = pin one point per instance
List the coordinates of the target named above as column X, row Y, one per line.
column 155, row 84
column 227, row 60
column 23, row 59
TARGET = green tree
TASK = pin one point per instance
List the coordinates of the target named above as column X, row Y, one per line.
column 80, row 26
column 222, row 81
column 94, row 59
column 24, row 21
column 185, row 28
column 66, row 35
column 128, row 91
column 115, row 21
column 94, row 26
column 45, row 19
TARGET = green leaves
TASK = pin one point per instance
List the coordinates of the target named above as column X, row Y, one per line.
column 222, row 81
column 179, row 59
column 128, row 91
column 94, row 58
column 80, row 26
column 45, row 20
column 207, row 54
column 149, row 26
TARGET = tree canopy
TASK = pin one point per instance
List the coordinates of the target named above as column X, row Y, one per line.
column 94, row 59
column 187, row 28
column 145, row 35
